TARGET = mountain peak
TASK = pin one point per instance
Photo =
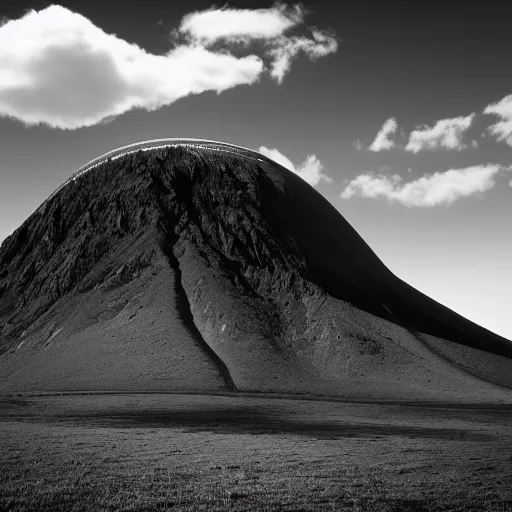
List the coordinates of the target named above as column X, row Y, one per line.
column 190, row 264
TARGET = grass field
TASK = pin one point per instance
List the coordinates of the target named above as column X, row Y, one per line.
column 198, row 452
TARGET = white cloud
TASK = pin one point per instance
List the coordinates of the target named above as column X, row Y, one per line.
column 358, row 144
column 208, row 27
column 310, row 170
column 284, row 49
column 270, row 25
column 382, row 140
column 429, row 190
column 446, row 133
column 59, row 69
column 503, row 109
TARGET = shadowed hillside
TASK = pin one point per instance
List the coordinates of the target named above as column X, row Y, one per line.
column 196, row 269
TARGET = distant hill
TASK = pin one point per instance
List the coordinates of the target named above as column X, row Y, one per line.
column 197, row 265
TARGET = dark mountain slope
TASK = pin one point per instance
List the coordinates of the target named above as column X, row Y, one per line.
column 197, row 269
column 342, row 264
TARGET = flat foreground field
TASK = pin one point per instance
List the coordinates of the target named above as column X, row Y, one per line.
column 203, row 452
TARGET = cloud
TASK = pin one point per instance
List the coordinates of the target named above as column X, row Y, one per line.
column 358, row 144
column 427, row 191
column 284, row 49
column 503, row 109
column 245, row 25
column 57, row 68
column 212, row 25
column 446, row 133
column 382, row 140
column 310, row 170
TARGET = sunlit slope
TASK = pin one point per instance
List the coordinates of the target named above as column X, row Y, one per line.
column 188, row 267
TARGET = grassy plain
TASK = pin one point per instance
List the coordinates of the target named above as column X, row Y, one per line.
column 204, row 452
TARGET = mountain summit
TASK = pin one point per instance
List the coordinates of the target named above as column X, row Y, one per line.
column 198, row 265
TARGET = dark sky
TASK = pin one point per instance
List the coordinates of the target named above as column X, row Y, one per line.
column 418, row 62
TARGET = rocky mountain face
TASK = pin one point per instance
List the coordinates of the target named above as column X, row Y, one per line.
column 196, row 269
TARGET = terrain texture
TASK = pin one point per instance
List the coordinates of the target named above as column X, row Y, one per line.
column 237, row 453
column 198, row 268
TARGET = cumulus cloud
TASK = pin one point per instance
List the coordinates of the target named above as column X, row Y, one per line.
column 310, row 170
column 59, row 69
column 382, row 140
column 245, row 25
column 446, row 133
column 503, row 128
column 212, row 25
column 430, row 190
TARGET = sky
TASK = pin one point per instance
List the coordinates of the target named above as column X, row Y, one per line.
column 400, row 114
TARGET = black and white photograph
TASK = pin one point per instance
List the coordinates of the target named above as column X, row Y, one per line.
column 255, row 256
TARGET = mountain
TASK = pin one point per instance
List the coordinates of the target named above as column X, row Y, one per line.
column 198, row 265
